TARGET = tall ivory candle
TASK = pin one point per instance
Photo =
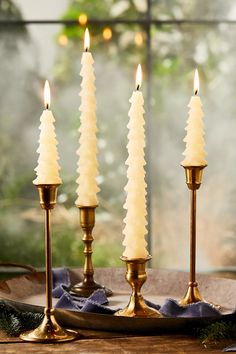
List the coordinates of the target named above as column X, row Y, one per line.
column 87, row 166
column 48, row 168
column 194, row 139
column 135, row 220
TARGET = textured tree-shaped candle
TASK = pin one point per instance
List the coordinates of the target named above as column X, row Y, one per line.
column 194, row 139
column 48, row 168
column 87, row 163
column 135, row 220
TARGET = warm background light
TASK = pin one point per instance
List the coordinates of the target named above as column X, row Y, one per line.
column 196, row 82
column 83, row 19
column 107, row 33
column 138, row 39
column 63, row 40
column 86, row 40
column 139, row 77
column 47, row 95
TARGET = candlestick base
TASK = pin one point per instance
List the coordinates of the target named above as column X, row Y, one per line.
column 49, row 331
column 136, row 277
column 88, row 285
column 192, row 295
column 86, row 288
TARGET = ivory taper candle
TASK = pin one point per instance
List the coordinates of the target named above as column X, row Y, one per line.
column 87, row 166
column 135, row 220
column 194, row 139
column 48, row 168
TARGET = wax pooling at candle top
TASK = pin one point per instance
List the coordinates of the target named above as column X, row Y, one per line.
column 48, row 168
column 195, row 154
column 135, row 205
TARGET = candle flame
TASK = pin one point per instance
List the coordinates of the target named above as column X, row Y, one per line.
column 86, row 40
column 47, row 95
column 138, row 77
column 196, row 82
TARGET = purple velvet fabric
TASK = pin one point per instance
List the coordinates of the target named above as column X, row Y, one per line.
column 95, row 303
column 230, row 348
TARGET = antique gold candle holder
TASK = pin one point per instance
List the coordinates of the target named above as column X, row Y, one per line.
column 88, row 285
column 49, row 330
column 136, row 276
column 193, row 181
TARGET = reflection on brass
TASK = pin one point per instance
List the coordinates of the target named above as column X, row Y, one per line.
column 193, row 181
column 47, row 195
column 193, row 176
column 88, row 285
column 136, row 276
column 49, row 330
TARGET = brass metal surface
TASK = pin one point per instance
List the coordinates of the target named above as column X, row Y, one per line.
column 136, row 276
column 88, row 284
column 49, row 330
column 193, row 176
column 47, row 195
column 192, row 295
column 193, row 180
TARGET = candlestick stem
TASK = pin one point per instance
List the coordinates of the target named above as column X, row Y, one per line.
column 193, row 181
column 136, row 276
column 193, row 196
column 49, row 330
column 88, row 285
column 48, row 257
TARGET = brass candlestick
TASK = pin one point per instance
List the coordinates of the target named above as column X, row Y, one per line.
column 88, row 285
column 49, row 330
column 193, row 181
column 136, row 277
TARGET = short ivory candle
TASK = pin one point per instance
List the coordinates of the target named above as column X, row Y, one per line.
column 194, row 139
column 135, row 220
column 87, row 166
column 48, row 168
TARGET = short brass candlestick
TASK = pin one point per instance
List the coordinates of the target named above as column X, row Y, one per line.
column 136, row 276
column 49, row 330
column 193, row 181
column 88, row 285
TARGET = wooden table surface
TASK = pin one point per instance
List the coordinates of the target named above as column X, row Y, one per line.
column 105, row 342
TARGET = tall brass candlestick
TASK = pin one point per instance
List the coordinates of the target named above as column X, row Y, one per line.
column 136, row 276
column 193, row 181
column 88, row 285
column 49, row 330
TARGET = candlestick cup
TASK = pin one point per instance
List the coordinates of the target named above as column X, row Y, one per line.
column 49, row 331
column 136, row 276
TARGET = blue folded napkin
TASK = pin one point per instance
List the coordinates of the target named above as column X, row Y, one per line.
column 171, row 308
column 60, row 281
column 95, row 303
column 230, row 348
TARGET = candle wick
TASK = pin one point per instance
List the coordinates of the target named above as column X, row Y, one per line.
column 47, row 106
column 196, row 92
column 138, row 87
column 86, row 49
